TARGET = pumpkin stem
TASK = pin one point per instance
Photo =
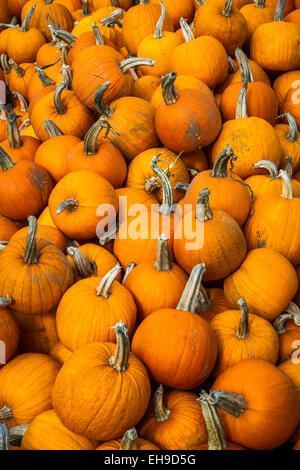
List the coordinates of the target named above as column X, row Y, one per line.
column 133, row 62
column 20, row 72
column 16, row 434
column 292, row 312
column 115, row 3
column 52, row 129
column 25, row 24
column 90, row 146
column 111, row 20
column 241, row 107
column 4, row 64
column 243, row 329
column 107, row 281
column 227, row 10
column 24, row 126
column 3, row 110
column 232, row 67
column 292, row 134
column 203, row 211
column 98, row 36
column 70, row 204
column 4, row 438
column 144, row 2
column 220, row 167
column 268, row 165
column 100, row 106
column 279, row 11
column 229, row 402
column 5, row 161
column 288, row 167
column 186, row 30
column 168, row 88
column 194, row 297
column 5, row 301
column 86, row 11
column 45, row 80
column 31, row 255
column 13, row 134
column 109, row 235
column 162, row 413
column 85, row 268
column 215, row 433
column 6, row 413
column 260, row 4
column 158, row 29
column 122, row 353
column 22, row 101
column 167, row 201
column 163, row 257
column 287, row 189
column 244, row 64
column 129, row 440
column 48, row 2
column 60, row 108
column 65, row 68
column 129, row 268
column 65, row 36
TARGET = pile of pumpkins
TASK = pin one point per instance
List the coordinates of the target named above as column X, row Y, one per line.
column 108, row 340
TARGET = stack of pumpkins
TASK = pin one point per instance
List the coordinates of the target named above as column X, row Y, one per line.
column 118, row 339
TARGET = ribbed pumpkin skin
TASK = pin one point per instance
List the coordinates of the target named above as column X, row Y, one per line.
column 90, row 318
column 185, row 427
column 292, row 369
column 256, row 16
column 291, row 102
column 273, row 405
column 26, row 386
column 262, row 341
column 177, row 9
column 51, row 234
column 266, row 280
column 7, row 228
column 35, row 288
column 259, row 75
column 182, row 345
column 9, row 333
column 46, row 432
column 59, row 13
column 262, row 185
column 287, row 340
column 252, row 139
column 25, row 152
column 219, row 303
column 142, row 444
column 283, row 83
column 87, row 379
column 289, row 148
column 60, row 353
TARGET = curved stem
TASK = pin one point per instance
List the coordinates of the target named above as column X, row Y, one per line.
column 227, row 10
column 129, row 268
column 65, row 36
column 110, row 21
column 203, row 211
column 86, row 11
column 3, row 111
column 186, row 30
column 6, row 162
column 230, row 402
column 90, row 146
column 292, row 312
column 108, row 236
column 287, row 189
column 103, row 289
column 22, row 101
column 241, row 107
column 120, row 360
column 46, row 81
column 16, row 434
column 4, row 438
column 279, row 11
column 19, row 70
column 25, row 25
column 100, row 106
column 292, row 134
column 215, row 433
column 220, row 166
column 243, row 329
column 232, row 65
column 167, row 201
column 267, row 165
column 244, row 64
column 132, row 62
column 5, row 301
column 4, row 64
column 6, row 413
column 31, row 255
column 70, row 204
column 129, row 440
column 194, row 297
column 24, row 126
column 163, row 257
column 168, row 88
column 60, row 108
column 288, row 167
column 98, row 36
column 65, row 68
column 52, row 129
column 84, row 267
column 162, row 413
column 158, row 29
column 260, row 4
column 13, row 134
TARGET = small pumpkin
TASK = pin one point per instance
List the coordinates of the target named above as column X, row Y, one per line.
column 7, row 228
column 290, row 141
column 130, row 441
column 256, row 14
column 287, row 326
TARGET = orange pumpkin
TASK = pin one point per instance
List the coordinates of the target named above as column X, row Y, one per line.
column 284, row 82
column 287, row 326
column 130, row 441
column 51, row 234
column 59, row 352
column 7, row 228
column 256, row 14
column 9, row 331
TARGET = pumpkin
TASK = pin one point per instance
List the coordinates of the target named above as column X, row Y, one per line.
column 7, row 228
column 290, row 141
column 291, row 369
column 178, row 9
column 261, row 100
column 284, row 82
column 99, row 303
column 45, row 218
column 228, row 193
column 26, row 387
column 213, row 301
column 20, row 77
column 59, row 352
column 51, row 234
column 182, row 344
column 58, row 143
column 9, row 332
column 251, row 139
column 46, row 432
column 5, row 13
column 15, row 7
column 222, row 20
column 34, row 273
column 187, row 119
column 74, row 202
column 196, row 162
column 270, row 224
column 156, row 286
column 145, row 86
column 130, row 441
column 213, row 237
column 266, row 46
column 287, row 8
column 241, row 335
column 12, row 436
column 256, row 391
column 174, row 420
column 291, row 102
column 3, row 123
column 113, row 376
column 266, row 280
column 26, row 177
column 297, row 297
column 204, row 58
column 287, row 327
column 256, row 14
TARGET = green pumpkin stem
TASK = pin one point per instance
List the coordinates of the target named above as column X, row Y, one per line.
column 203, row 211
column 162, row 413
column 104, row 287
column 227, row 10
column 98, row 36
column 25, row 25
column 6, row 162
column 279, row 11
column 100, row 106
column 230, row 402
column 52, row 129
column 267, row 165
column 129, row 268
column 186, row 30
column 31, row 255
column 120, row 360
column 158, row 29
column 244, row 64
column 292, row 312
column 287, row 188
column 163, row 257
column 243, row 329
column 216, row 437
column 220, row 166
column 168, row 88
column 84, row 267
column 129, row 440
column 166, row 186
column 6, row 413
column 70, row 204
column 194, row 297
column 13, row 134
column 241, row 107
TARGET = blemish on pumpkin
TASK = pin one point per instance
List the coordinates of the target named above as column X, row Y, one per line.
column 37, row 179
